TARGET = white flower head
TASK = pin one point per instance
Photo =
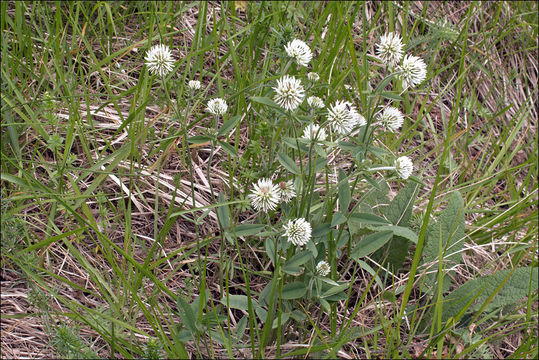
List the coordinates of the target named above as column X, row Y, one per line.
column 194, row 85
column 300, row 51
column 287, row 191
column 392, row 118
column 159, row 60
column 390, row 49
column 298, row 231
column 315, row 102
column 265, row 195
column 289, row 92
column 314, row 132
column 323, row 268
column 313, row 76
column 217, row 106
column 343, row 117
column 404, row 167
column 413, row 71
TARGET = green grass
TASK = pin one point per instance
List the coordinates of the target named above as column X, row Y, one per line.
column 126, row 223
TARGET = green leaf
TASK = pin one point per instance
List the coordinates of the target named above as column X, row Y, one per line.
column 399, row 211
column 371, row 271
column 261, row 313
column 239, row 302
column 295, row 145
column 398, row 249
column 269, row 245
column 294, row 290
column 338, row 219
column 347, row 146
column 312, row 248
column 320, row 151
column 363, row 219
column 203, row 296
column 299, row 259
column 187, row 315
column 375, row 197
column 344, row 192
column 373, row 182
column 248, row 229
column 228, row 148
column 265, row 101
column 335, row 290
column 382, row 85
column 223, row 212
column 449, row 231
column 515, row 288
column 298, row 315
column 378, row 152
column 320, row 164
column 292, row 270
column 321, row 230
column 284, row 319
column 325, row 305
column 198, row 139
column 391, row 96
column 371, row 243
column 288, row 163
column 240, row 328
column 229, row 125
column 397, row 231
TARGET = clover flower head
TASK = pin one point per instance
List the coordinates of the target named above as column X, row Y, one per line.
column 287, row 191
column 404, row 167
column 392, row 118
column 314, row 132
column 265, row 195
column 413, row 71
column 315, row 102
column 343, row 117
column 298, row 231
column 390, row 49
column 159, row 60
column 323, row 268
column 194, row 85
column 217, row 106
column 313, row 76
column 289, row 92
column 299, row 51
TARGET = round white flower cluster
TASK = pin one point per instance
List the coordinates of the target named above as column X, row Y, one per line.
column 315, row 102
column 312, row 76
column 286, row 191
column 390, row 49
column 217, row 106
column 404, row 167
column 159, row 60
column 412, row 70
column 298, row 231
column 314, row 132
column 323, row 268
column 289, row 93
column 299, row 51
column 266, row 195
column 392, row 118
column 343, row 117
column 194, row 85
